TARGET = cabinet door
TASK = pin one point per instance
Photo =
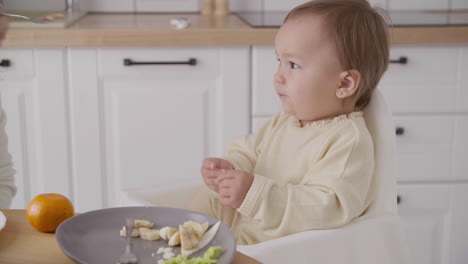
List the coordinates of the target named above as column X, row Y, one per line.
column 152, row 123
column 432, row 79
column 33, row 97
column 434, row 218
column 433, row 148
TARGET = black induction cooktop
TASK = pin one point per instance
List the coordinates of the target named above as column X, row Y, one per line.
column 273, row 19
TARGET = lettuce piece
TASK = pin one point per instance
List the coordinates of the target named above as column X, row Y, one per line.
column 210, row 256
column 213, row 252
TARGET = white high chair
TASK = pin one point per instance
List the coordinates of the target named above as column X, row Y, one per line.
column 375, row 237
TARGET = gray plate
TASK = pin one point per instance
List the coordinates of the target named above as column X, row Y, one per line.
column 93, row 237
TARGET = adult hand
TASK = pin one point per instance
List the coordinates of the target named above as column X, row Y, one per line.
column 233, row 187
column 4, row 21
column 210, row 170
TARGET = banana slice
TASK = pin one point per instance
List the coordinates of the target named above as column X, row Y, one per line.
column 205, row 226
column 167, row 232
column 142, row 223
column 149, row 234
column 188, row 238
column 185, row 242
column 207, row 237
column 196, row 227
column 135, row 232
column 175, row 239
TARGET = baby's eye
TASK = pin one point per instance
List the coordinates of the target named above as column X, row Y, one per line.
column 293, row 65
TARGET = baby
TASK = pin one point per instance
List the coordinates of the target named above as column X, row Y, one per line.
column 311, row 166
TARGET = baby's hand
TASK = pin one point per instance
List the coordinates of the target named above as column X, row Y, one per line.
column 210, row 170
column 233, row 187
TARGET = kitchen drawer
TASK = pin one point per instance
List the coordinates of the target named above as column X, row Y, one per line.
column 425, row 213
column 434, row 218
column 112, row 63
column 21, row 64
column 432, row 147
column 430, row 81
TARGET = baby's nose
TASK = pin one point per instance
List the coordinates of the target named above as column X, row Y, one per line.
column 279, row 78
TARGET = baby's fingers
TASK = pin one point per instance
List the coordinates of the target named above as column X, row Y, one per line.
column 212, row 174
column 211, row 163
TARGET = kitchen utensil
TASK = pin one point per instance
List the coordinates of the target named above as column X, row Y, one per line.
column 2, row 220
column 128, row 256
column 36, row 21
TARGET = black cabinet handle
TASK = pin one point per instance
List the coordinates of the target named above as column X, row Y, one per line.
column 399, row 131
column 191, row 62
column 401, row 60
column 5, row 63
column 398, row 199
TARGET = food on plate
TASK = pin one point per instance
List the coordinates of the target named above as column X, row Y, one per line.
column 167, row 252
column 167, row 232
column 149, row 234
column 188, row 238
column 191, row 235
column 175, row 239
column 211, row 256
column 48, row 210
column 207, row 237
column 198, row 228
column 137, row 223
column 135, row 232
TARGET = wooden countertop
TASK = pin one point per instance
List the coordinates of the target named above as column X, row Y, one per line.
column 113, row 30
column 20, row 243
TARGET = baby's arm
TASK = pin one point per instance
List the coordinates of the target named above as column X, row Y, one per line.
column 241, row 155
column 332, row 193
column 243, row 152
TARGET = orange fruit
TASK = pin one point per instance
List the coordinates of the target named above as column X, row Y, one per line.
column 48, row 210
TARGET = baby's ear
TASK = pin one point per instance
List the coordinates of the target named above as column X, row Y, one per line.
column 348, row 83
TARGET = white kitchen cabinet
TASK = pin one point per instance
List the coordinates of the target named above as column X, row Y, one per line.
column 434, row 220
column 429, row 98
column 431, row 81
column 132, row 126
column 432, row 147
column 34, row 98
column 459, row 4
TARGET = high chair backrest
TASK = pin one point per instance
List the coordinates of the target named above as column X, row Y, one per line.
column 380, row 124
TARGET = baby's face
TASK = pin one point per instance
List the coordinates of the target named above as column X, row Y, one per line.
column 309, row 69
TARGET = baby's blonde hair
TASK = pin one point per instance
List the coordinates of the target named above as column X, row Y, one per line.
column 360, row 34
